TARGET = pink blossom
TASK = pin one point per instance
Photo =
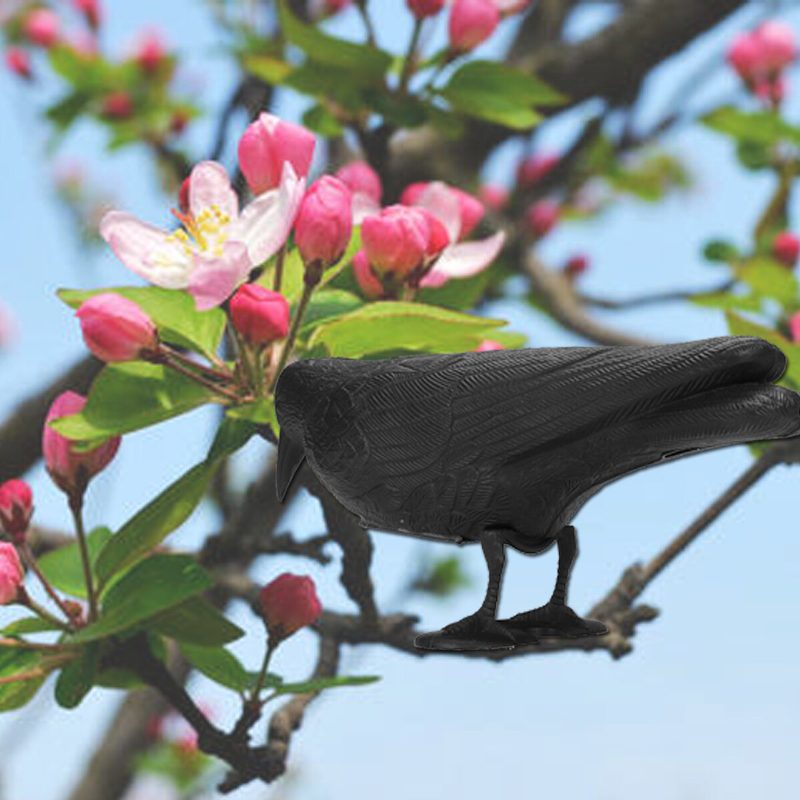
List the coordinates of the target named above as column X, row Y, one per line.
column 398, row 240
column 325, row 221
column 260, row 315
column 367, row 280
column 493, row 197
column 508, row 7
column 218, row 246
column 16, row 508
column 779, row 48
column 19, row 62
column 576, row 265
column 288, row 604
column 366, row 186
column 11, row 573
column 115, row 328
column 267, row 145
column 150, row 51
column 425, row 8
column 42, row 27
column 471, row 23
column 117, row 105
column 536, row 167
column 794, row 326
column 541, row 217
column 90, row 10
column 786, row 248
column 760, row 55
column 70, row 468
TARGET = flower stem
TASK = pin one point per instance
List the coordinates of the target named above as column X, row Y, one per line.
column 411, row 56
column 167, row 359
column 30, row 560
column 262, row 674
column 278, row 277
column 312, row 278
column 76, row 507
column 40, row 611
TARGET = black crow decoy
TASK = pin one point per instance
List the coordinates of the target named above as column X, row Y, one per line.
column 504, row 447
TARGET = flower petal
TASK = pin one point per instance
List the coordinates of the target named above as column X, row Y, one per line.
column 146, row 250
column 209, row 185
column 464, row 260
column 213, row 279
column 265, row 223
column 442, row 202
column 364, row 206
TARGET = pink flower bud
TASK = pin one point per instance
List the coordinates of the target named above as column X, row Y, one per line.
column 117, row 105
column 179, row 121
column 70, row 469
column 267, row 144
column 150, row 51
column 367, row 280
column 325, row 222
column 534, row 168
column 771, row 91
column 471, row 22
column 778, row 47
column 576, row 265
column 115, row 328
column 786, row 248
column 541, row 217
column 11, row 573
column 361, row 178
column 437, row 198
column 487, row 345
column 90, row 10
column 42, row 27
column 494, row 198
column 425, row 8
column 289, row 603
column 794, row 326
column 319, row 9
column 745, row 56
column 19, row 62
column 438, row 237
column 16, row 508
column 260, row 315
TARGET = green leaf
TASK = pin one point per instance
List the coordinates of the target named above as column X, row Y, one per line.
column 15, row 662
column 768, row 278
column 127, row 397
column 740, row 326
column 721, row 251
column 219, row 665
column 327, row 304
column 77, row 678
column 66, row 110
column 726, row 300
column 268, row 68
column 386, row 326
column 320, row 684
column 321, row 121
column 329, row 83
column 152, row 524
column 493, row 91
column 64, row 568
column 259, row 412
column 174, row 313
column 233, row 434
column 760, row 127
column 159, row 582
column 460, row 294
column 197, row 622
column 291, row 275
column 365, row 61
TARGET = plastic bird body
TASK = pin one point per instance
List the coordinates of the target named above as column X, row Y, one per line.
column 504, row 447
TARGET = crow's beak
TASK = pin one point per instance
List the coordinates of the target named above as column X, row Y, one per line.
column 290, row 457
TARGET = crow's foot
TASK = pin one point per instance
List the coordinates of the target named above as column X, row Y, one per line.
column 552, row 619
column 476, row 632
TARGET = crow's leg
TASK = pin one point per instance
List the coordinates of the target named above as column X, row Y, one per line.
column 480, row 631
column 556, row 618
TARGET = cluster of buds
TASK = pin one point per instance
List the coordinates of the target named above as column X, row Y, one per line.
column 760, row 58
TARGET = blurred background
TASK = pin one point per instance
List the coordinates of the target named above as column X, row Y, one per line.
column 706, row 705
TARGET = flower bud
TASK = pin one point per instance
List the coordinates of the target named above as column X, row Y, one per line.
column 150, row 52
column 425, row 8
column 794, row 327
column 19, row 62
column 289, row 603
column 319, row 9
column 70, row 469
column 117, row 105
column 438, row 198
column 400, row 239
column 260, row 315
column 493, row 197
column 42, row 27
column 360, row 178
column 267, row 144
column 11, row 573
column 367, row 280
column 16, row 508
column 534, row 168
column 576, row 265
column 90, row 10
column 115, row 328
column 325, row 222
column 471, row 23
column 745, row 56
column 786, row 248
column 488, row 344
column 778, row 46
column 541, row 217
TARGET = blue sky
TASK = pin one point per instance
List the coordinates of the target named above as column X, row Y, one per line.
column 707, row 704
